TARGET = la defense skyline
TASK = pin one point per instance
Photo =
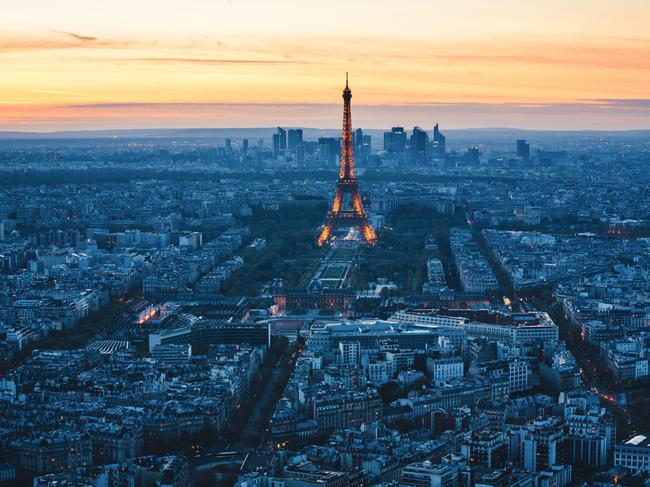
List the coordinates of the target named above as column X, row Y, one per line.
column 347, row 207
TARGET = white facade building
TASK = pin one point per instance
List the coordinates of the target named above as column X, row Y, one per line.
column 442, row 370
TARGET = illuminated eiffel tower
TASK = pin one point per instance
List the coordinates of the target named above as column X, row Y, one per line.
column 347, row 209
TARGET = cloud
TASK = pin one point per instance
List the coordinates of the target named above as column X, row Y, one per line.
column 51, row 40
column 549, row 60
column 78, row 37
column 54, row 92
column 631, row 104
column 216, row 41
column 596, row 53
column 127, row 105
column 193, row 60
column 578, row 104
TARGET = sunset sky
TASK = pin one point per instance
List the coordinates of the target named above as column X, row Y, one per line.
column 570, row 64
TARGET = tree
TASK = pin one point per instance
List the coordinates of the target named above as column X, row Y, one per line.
column 207, row 434
column 420, row 362
column 390, row 391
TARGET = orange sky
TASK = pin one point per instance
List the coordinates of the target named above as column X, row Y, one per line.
column 74, row 64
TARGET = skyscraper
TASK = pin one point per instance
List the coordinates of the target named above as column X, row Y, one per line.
column 276, row 145
column 395, row 140
column 328, row 147
column 358, row 138
column 438, row 137
column 244, row 146
column 282, row 138
column 323, row 153
column 300, row 156
column 294, row 138
column 364, row 148
column 228, row 149
column 418, row 148
column 439, row 144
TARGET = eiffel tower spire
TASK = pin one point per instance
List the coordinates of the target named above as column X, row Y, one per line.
column 347, row 185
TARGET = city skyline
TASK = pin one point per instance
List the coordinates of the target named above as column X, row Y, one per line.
column 216, row 270
column 230, row 64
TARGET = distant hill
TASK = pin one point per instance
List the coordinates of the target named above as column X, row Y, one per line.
column 219, row 134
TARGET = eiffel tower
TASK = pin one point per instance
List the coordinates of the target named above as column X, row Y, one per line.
column 347, row 209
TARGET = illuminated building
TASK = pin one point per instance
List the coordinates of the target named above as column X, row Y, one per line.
column 344, row 213
column 342, row 299
column 205, row 333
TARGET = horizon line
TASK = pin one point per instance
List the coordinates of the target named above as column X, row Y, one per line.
column 274, row 127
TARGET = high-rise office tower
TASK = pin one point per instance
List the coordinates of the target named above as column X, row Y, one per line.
column 438, row 145
column 399, row 139
column 228, row 149
column 323, row 153
column 358, row 138
column 418, row 148
column 244, row 146
column 283, row 138
column 395, row 140
column 364, row 148
column 388, row 142
column 276, row 145
column 300, row 156
column 294, row 138
column 328, row 148
column 438, row 136
column 357, row 142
